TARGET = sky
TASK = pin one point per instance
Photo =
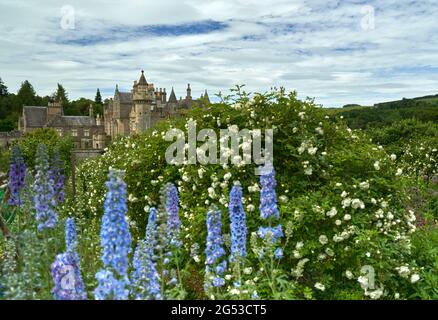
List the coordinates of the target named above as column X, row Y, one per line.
column 338, row 52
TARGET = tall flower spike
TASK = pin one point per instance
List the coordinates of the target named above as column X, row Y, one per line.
column 214, row 252
column 43, row 188
column 115, row 240
column 269, row 210
column 268, row 199
column 70, row 234
column 172, row 209
column 238, row 223
column 17, row 174
column 146, row 280
column 65, row 270
column 58, row 176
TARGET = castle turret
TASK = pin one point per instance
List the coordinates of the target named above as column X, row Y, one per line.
column 189, row 92
column 90, row 111
column 142, row 80
column 143, row 98
column 205, row 96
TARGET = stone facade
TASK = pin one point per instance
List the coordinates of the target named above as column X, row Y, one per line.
column 125, row 114
column 6, row 138
column 136, row 111
column 88, row 132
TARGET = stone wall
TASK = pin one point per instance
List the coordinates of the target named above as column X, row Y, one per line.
column 81, row 154
column 6, row 138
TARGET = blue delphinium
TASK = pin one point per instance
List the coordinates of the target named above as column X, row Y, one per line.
column 65, row 270
column 57, row 172
column 278, row 254
column 274, row 232
column 17, row 174
column 115, row 240
column 70, row 234
column 145, row 277
column 215, row 264
column 238, row 224
column 172, row 209
column 43, row 191
column 268, row 199
column 269, row 210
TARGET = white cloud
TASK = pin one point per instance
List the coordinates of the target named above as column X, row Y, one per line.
column 317, row 47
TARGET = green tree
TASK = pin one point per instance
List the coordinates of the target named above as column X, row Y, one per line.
column 98, row 98
column 61, row 95
column 26, row 94
column 4, row 89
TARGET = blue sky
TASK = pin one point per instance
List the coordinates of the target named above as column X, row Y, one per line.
column 335, row 51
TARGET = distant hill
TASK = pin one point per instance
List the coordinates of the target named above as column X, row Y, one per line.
column 423, row 109
column 406, row 103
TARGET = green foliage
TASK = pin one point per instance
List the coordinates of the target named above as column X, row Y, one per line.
column 98, row 98
column 30, row 141
column 387, row 114
column 354, row 226
column 425, row 250
column 61, row 95
column 313, row 182
column 26, row 94
column 414, row 143
column 3, row 89
column 4, row 160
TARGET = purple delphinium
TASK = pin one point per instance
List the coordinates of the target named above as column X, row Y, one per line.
column 17, row 174
column 58, row 177
column 43, row 191
column 214, row 252
column 65, row 270
column 115, row 240
column 145, row 277
column 172, row 209
column 238, row 223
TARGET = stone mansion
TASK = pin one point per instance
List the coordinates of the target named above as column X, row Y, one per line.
column 136, row 111
column 125, row 114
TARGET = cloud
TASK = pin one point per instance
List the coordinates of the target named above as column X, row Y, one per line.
column 329, row 49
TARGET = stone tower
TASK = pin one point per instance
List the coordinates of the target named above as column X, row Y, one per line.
column 189, row 92
column 142, row 97
column 54, row 110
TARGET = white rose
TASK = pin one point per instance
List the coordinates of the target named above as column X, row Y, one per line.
column 414, row 278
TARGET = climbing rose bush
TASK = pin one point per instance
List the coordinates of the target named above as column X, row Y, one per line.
column 341, row 213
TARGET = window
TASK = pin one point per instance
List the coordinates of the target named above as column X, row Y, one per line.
column 86, row 132
column 59, row 131
column 74, row 132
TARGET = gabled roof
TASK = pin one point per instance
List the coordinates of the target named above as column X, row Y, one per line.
column 35, row 116
column 172, row 97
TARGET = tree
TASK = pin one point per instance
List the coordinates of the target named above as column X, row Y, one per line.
column 98, row 99
column 3, row 89
column 61, row 95
column 26, row 94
